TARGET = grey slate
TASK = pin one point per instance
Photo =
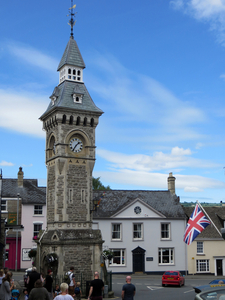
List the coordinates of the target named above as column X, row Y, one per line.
column 71, row 55
column 216, row 214
column 115, row 200
column 65, row 98
column 30, row 192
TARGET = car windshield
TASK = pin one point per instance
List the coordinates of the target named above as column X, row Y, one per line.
column 217, row 295
column 171, row 273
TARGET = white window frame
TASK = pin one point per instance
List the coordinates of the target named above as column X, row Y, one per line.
column 202, row 263
column 138, row 231
column 171, row 255
column 122, row 262
column 35, row 232
column 164, row 230
column 38, row 209
column 114, row 231
column 4, row 205
column 200, row 247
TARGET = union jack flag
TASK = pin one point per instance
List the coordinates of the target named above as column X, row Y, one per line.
column 196, row 224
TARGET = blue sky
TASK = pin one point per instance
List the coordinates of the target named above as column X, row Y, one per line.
column 157, row 70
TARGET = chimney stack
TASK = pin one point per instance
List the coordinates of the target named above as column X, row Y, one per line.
column 171, row 183
column 20, row 177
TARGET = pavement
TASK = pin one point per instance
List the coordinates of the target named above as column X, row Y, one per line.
column 20, row 284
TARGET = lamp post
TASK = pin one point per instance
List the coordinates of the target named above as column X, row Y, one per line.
column 17, row 223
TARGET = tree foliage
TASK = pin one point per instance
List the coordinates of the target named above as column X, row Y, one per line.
column 97, row 185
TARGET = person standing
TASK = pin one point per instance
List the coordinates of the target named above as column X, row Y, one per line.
column 64, row 293
column 48, row 284
column 32, row 278
column 128, row 290
column 72, row 281
column 6, row 287
column 39, row 292
column 96, row 289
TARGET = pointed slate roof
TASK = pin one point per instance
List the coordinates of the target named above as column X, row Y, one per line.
column 115, row 200
column 71, row 55
column 64, row 98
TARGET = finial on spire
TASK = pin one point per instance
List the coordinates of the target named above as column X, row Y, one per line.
column 72, row 16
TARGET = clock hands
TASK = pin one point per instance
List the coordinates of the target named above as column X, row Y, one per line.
column 76, row 145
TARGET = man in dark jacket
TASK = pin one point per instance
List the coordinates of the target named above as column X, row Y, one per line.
column 32, row 278
column 128, row 290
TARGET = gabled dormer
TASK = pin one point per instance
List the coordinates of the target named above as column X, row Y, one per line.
column 71, row 65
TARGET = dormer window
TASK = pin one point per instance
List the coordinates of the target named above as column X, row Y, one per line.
column 53, row 100
column 77, row 98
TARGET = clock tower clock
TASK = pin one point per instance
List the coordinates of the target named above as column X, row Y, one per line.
column 70, row 122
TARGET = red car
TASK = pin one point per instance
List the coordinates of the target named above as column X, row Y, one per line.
column 172, row 278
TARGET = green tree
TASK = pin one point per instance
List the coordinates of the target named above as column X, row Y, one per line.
column 97, row 185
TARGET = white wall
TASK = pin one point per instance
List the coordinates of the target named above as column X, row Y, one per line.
column 27, row 220
column 151, row 242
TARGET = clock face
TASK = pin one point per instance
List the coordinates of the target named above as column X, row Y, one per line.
column 137, row 210
column 76, row 145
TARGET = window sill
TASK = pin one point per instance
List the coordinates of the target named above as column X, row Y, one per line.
column 117, row 266
column 165, row 239
column 138, row 240
column 200, row 254
column 116, row 240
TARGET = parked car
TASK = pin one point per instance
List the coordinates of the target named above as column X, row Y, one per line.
column 27, row 271
column 173, row 278
column 214, row 283
column 212, row 294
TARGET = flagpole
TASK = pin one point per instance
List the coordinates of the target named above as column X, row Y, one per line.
column 209, row 218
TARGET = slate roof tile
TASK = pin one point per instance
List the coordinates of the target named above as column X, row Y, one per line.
column 115, row 200
column 30, row 192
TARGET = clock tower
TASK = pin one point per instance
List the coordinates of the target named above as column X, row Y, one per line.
column 70, row 122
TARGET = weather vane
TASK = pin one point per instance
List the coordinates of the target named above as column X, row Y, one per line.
column 72, row 16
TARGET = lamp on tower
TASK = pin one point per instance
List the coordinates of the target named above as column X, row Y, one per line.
column 96, row 202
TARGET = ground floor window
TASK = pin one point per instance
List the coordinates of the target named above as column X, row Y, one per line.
column 118, row 257
column 202, row 265
column 37, row 227
column 166, row 256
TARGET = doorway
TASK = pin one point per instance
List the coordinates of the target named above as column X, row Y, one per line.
column 138, row 259
column 219, row 267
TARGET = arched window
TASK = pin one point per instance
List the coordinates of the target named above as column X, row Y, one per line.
column 85, row 121
column 78, row 72
column 74, row 72
column 92, row 122
column 69, row 71
column 78, row 121
column 64, row 119
column 71, row 120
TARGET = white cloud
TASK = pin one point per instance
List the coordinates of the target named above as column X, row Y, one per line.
column 211, row 11
column 179, row 158
column 143, row 102
column 32, row 56
column 4, row 163
column 189, row 183
column 20, row 112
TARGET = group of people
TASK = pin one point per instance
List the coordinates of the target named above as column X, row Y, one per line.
column 42, row 288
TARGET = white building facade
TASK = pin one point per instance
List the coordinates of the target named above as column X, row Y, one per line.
column 145, row 233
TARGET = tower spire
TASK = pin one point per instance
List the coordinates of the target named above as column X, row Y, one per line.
column 72, row 16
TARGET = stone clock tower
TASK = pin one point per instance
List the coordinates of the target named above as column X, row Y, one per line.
column 70, row 122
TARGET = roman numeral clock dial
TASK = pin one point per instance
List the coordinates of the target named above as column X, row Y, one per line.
column 76, row 145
